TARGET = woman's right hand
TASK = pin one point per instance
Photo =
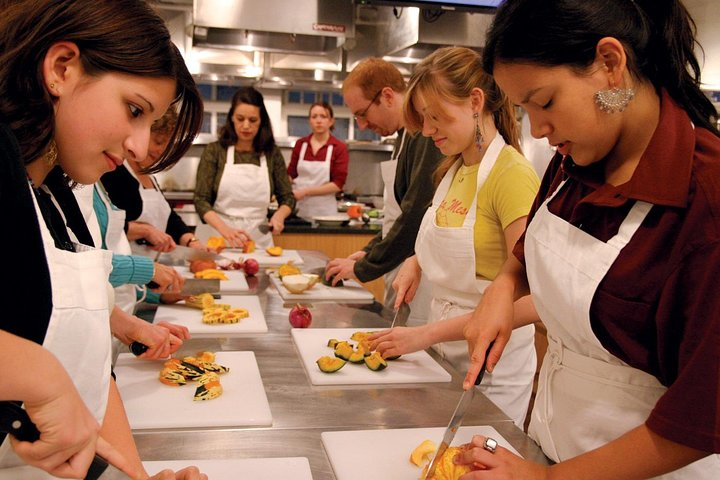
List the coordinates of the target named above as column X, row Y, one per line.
column 187, row 473
column 167, row 278
column 235, row 237
column 407, row 281
column 159, row 241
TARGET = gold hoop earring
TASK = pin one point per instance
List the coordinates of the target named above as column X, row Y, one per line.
column 51, row 154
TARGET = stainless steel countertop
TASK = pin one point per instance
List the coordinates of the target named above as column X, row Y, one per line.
column 301, row 411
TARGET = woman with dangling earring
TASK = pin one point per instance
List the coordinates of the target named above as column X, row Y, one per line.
column 485, row 190
column 622, row 250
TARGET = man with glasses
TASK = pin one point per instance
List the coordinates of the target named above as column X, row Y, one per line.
column 374, row 91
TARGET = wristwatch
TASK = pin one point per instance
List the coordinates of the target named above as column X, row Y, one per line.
column 193, row 239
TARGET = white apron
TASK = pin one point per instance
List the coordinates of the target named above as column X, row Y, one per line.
column 155, row 208
column 420, row 305
column 243, row 198
column 78, row 333
column 314, row 174
column 116, row 241
column 586, row 396
column 447, row 256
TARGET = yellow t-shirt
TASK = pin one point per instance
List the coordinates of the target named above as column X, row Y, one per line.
column 507, row 195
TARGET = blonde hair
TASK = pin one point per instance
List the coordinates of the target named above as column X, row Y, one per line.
column 451, row 73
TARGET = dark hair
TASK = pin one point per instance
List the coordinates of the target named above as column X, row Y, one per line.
column 658, row 37
column 264, row 141
column 451, row 73
column 114, row 36
column 327, row 108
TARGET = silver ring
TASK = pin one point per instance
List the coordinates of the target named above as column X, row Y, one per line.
column 490, row 445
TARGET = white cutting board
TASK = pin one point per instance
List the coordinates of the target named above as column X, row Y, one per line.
column 191, row 318
column 384, row 454
column 351, row 292
column 311, row 343
column 263, row 258
column 236, row 282
column 234, row 469
column 151, row 404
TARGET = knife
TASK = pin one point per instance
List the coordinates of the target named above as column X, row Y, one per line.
column 265, row 228
column 402, row 314
column 195, row 286
column 15, row 421
column 457, row 418
column 181, row 254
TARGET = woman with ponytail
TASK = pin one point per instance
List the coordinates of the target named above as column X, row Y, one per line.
column 622, row 249
column 485, row 191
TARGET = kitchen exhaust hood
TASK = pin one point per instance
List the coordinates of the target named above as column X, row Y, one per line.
column 308, row 27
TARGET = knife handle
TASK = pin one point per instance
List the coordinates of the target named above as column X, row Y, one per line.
column 15, row 421
column 482, row 369
column 138, row 348
column 152, row 285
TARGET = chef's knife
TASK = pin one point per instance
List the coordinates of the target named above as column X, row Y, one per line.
column 15, row 421
column 265, row 228
column 195, row 286
column 181, row 254
column 457, row 418
column 401, row 316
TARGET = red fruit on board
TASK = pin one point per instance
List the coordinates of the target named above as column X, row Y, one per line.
column 300, row 316
column 251, row 266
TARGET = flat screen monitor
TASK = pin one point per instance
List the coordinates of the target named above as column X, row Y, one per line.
column 467, row 5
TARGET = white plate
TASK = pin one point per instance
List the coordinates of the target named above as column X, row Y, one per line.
column 236, row 282
column 191, row 318
column 232, row 469
column 151, row 404
column 385, row 453
column 332, row 220
column 311, row 343
column 350, row 292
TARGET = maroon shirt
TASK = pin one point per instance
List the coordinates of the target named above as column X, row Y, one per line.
column 658, row 308
column 339, row 159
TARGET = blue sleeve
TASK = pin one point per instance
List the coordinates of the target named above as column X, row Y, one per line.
column 134, row 269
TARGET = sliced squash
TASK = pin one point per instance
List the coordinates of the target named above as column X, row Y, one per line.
column 333, row 342
column 447, row 469
column 360, row 336
column 274, row 251
column 375, row 362
column 249, row 246
column 329, row 364
column 344, row 350
column 422, row 452
column 358, row 356
column 288, row 269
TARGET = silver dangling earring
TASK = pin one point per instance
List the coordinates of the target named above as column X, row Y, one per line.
column 614, row 99
column 478, row 133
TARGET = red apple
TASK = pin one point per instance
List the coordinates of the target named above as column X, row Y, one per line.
column 251, row 266
column 300, row 316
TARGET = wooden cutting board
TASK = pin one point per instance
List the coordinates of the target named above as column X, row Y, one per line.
column 233, row 469
column 351, row 292
column 236, row 282
column 264, row 259
column 151, row 404
column 311, row 343
column 192, row 318
column 385, row 453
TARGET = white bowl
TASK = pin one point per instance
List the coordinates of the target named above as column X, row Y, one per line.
column 332, row 220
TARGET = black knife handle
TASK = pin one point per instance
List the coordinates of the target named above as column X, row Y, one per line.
column 15, row 421
column 138, row 348
column 152, row 285
column 482, row 369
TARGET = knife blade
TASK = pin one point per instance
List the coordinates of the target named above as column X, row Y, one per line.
column 265, row 228
column 15, row 421
column 195, row 286
column 401, row 316
column 457, row 418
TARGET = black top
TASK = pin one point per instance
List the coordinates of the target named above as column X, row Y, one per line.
column 124, row 191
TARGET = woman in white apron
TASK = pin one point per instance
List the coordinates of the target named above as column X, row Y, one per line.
column 61, row 107
column 318, row 166
column 460, row 117
column 238, row 176
column 620, row 254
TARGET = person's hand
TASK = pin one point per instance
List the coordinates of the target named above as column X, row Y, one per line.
column 300, row 193
column 160, row 341
column 492, row 320
column 180, row 331
column 159, row 241
column 340, row 269
column 167, row 278
column 235, row 237
column 502, row 464
column 407, row 281
column 357, row 255
column 69, row 434
column 170, row 298
column 277, row 223
column 399, row 341
column 187, row 473
column 198, row 245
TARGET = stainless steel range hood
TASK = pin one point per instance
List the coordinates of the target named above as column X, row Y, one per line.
column 308, row 27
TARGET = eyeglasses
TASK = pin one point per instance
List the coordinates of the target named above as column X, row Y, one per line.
column 363, row 113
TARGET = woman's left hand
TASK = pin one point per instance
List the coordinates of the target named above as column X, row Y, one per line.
column 500, row 465
column 277, row 224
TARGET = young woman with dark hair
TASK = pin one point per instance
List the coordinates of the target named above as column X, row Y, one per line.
column 81, row 82
column 622, row 249
column 239, row 174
